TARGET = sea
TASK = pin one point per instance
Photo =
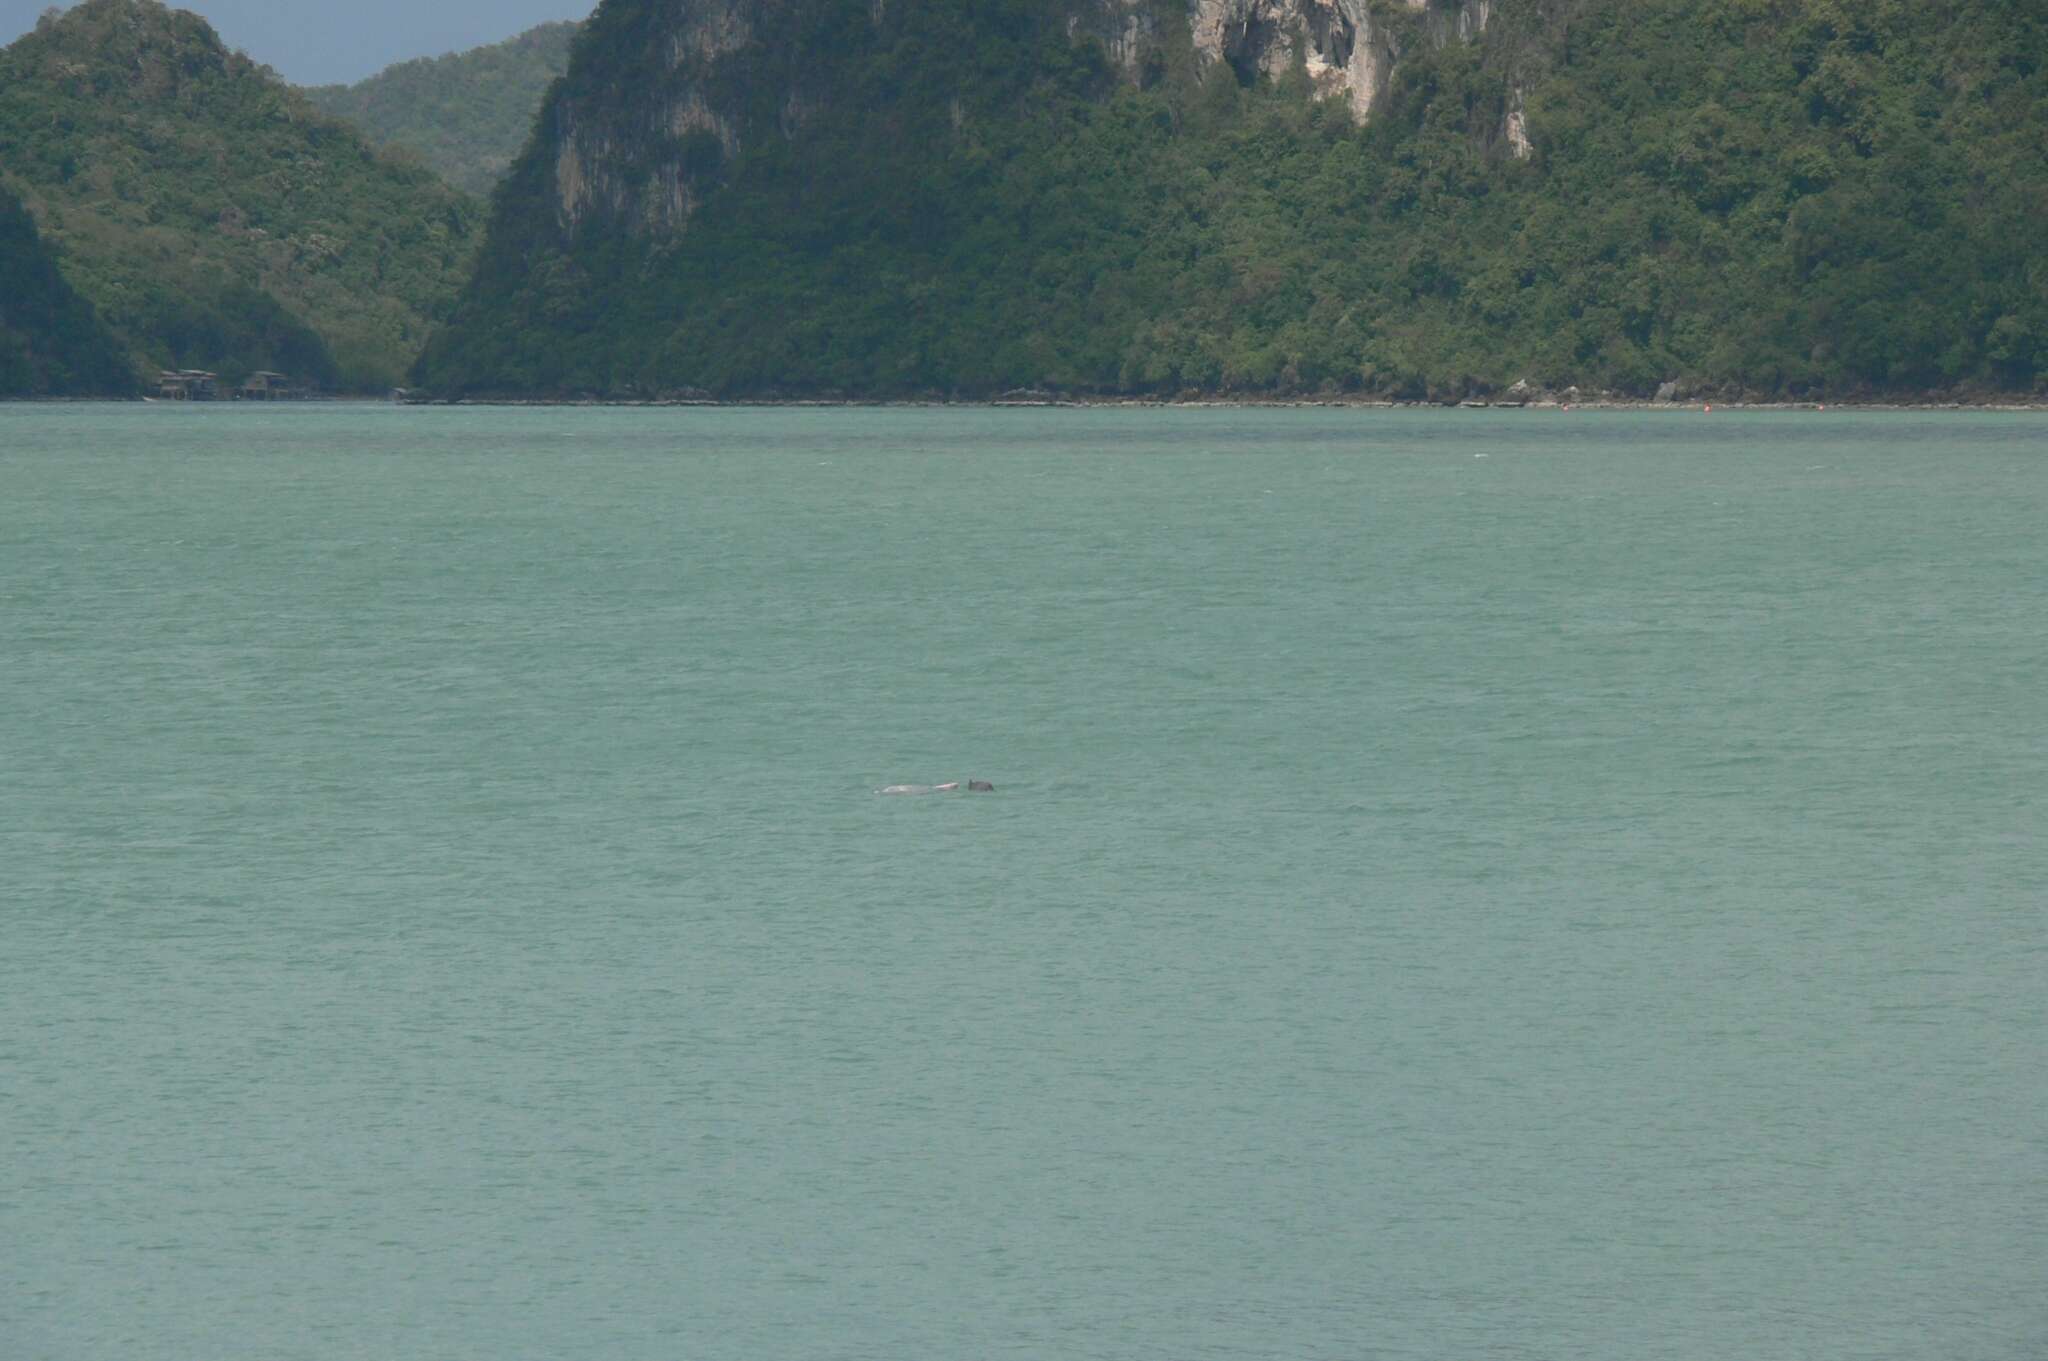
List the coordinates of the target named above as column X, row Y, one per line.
column 1458, row 884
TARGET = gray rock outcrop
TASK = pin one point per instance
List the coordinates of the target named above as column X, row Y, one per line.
column 1346, row 49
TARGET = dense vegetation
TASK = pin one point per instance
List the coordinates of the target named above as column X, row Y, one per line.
column 1771, row 197
column 466, row 115
column 51, row 343
column 214, row 217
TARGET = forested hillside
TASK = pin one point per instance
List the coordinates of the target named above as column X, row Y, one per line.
column 214, row 217
column 1774, row 198
column 51, row 343
column 467, row 115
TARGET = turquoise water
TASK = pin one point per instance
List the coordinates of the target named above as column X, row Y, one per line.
column 1515, row 885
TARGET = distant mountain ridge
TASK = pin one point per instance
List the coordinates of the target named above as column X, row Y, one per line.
column 212, row 215
column 1437, row 199
column 467, row 114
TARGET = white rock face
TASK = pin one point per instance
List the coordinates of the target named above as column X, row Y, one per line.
column 1517, row 127
column 1338, row 42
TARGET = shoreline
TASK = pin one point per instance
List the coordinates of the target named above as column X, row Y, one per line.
column 1235, row 403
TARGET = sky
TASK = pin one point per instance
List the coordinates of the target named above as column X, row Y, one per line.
column 317, row 42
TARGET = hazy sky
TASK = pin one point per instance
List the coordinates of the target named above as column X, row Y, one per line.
column 315, row 42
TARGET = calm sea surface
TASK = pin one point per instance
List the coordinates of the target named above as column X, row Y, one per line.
column 1509, row 885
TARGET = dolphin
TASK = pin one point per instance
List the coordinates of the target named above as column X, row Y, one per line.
column 972, row 787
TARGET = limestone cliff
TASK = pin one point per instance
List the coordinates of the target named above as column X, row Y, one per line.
column 717, row 77
column 1444, row 199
